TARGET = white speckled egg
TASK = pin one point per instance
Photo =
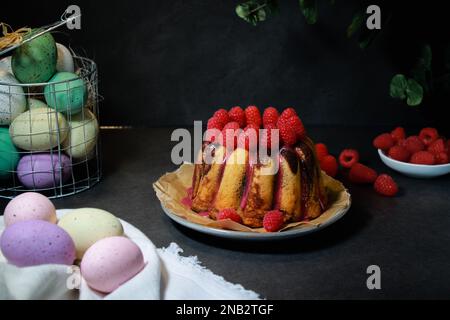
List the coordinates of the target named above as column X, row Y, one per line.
column 36, row 103
column 12, row 98
column 88, row 225
column 111, row 262
column 5, row 64
column 29, row 206
column 38, row 129
column 83, row 132
column 64, row 61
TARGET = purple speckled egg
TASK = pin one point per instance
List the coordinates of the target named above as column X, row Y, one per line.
column 36, row 242
column 43, row 170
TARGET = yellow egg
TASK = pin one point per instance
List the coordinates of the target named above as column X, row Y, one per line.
column 88, row 225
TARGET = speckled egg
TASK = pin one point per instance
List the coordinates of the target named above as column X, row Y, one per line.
column 9, row 155
column 29, row 206
column 44, row 170
column 83, row 132
column 39, row 129
column 111, row 262
column 35, row 61
column 88, row 225
column 64, row 60
column 12, row 98
column 66, row 93
column 5, row 64
column 36, row 103
column 36, row 242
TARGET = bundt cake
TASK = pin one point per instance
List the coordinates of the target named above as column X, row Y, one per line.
column 290, row 181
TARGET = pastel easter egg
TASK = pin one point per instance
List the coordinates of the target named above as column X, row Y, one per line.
column 36, row 242
column 66, row 93
column 36, row 103
column 12, row 98
column 44, row 170
column 35, row 61
column 5, row 64
column 9, row 155
column 111, row 262
column 64, row 61
column 83, row 132
column 88, row 225
column 29, row 206
column 39, row 129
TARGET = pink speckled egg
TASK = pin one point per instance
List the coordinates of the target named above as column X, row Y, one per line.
column 110, row 262
column 36, row 242
column 29, row 206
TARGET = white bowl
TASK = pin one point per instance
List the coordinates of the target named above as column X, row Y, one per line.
column 415, row 170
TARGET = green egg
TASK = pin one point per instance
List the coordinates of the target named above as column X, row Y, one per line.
column 35, row 61
column 67, row 97
column 9, row 156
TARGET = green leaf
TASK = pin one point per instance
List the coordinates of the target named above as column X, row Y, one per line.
column 414, row 92
column 398, row 86
column 255, row 11
column 309, row 10
column 356, row 24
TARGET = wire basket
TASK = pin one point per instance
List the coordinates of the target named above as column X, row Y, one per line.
column 49, row 134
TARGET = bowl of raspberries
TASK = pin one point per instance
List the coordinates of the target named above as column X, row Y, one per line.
column 426, row 155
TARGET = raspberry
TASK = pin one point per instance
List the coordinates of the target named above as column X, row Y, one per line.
column 385, row 185
column 413, row 144
column 360, row 173
column 246, row 134
column 214, row 123
column 437, row 146
column 399, row 153
column 228, row 131
column 270, row 116
column 222, row 116
column 398, row 134
column 383, row 141
column 348, row 158
column 287, row 113
column 428, row 135
column 266, row 138
column 329, row 165
column 287, row 134
column 423, row 157
column 229, row 214
column 441, row 158
column 238, row 115
column 295, row 123
column 321, row 150
column 253, row 116
column 273, row 221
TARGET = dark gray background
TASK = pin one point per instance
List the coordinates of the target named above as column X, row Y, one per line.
column 165, row 63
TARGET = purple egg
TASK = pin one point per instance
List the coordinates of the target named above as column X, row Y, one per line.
column 43, row 170
column 36, row 242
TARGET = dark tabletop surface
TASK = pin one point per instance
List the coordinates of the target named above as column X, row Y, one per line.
column 408, row 236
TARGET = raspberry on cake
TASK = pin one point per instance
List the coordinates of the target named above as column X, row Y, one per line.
column 227, row 188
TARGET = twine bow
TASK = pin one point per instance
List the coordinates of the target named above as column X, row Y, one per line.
column 13, row 37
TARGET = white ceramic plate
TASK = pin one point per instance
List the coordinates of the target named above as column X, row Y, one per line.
column 415, row 170
column 254, row 236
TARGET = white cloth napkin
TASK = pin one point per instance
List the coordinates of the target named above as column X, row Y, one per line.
column 167, row 275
